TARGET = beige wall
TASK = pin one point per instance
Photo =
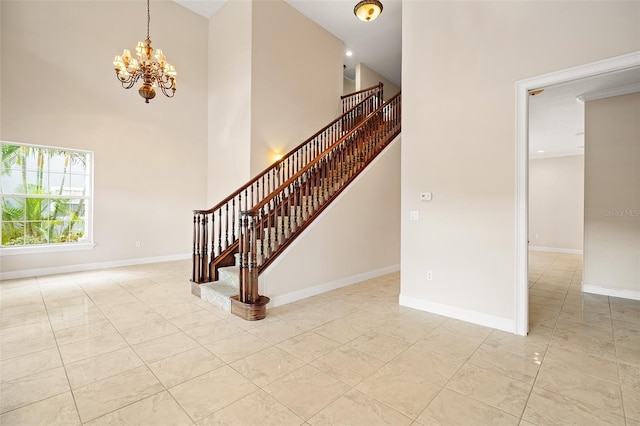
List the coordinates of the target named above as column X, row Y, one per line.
column 229, row 85
column 612, row 196
column 59, row 89
column 556, row 203
column 268, row 91
column 357, row 237
column 366, row 77
column 459, row 136
column 348, row 86
column 296, row 81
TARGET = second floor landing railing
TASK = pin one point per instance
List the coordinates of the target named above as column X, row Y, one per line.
column 353, row 99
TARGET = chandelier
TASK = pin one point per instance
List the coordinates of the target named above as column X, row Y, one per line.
column 152, row 72
column 368, row 10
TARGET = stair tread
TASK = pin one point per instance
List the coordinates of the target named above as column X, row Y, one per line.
column 230, row 269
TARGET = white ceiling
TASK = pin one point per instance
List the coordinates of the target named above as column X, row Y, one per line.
column 377, row 44
column 556, row 116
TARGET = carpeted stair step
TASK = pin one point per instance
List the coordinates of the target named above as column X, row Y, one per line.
column 218, row 293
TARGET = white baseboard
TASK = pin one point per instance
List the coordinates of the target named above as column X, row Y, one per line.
column 556, row 250
column 504, row 324
column 26, row 273
column 613, row 292
column 333, row 285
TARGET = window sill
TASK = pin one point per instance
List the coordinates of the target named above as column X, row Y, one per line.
column 49, row 248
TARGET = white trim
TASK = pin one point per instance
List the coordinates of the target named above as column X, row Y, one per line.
column 500, row 323
column 333, row 285
column 521, row 292
column 27, row 273
column 609, row 93
column 45, row 248
column 613, row 292
column 556, row 250
column 631, row 60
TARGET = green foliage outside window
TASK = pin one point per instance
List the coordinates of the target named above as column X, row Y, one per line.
column 45, row 194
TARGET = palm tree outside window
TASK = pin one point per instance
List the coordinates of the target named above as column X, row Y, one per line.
column 46, row 195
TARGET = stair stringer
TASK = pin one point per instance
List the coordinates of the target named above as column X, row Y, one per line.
column 355, row 238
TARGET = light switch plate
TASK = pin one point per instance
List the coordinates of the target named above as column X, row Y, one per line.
column 425, row 196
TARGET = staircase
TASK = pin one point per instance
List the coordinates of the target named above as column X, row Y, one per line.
column 238, row 238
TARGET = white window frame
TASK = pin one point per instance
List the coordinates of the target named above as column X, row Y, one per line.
column 87, row 242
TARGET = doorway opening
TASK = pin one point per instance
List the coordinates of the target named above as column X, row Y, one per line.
column 523, row 88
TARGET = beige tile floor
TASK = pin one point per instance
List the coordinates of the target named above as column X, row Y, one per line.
column 131, row 346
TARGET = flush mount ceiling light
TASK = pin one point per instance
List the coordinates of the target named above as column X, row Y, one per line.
column 368, row 10
column 152, row 72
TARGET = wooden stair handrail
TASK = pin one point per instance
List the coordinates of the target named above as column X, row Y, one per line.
column 372, row 88
column 317, row 159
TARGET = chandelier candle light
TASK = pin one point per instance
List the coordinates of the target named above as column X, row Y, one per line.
column 129, row 70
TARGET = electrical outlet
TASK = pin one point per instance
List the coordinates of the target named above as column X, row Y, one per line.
column 414, row 215
column 138, row 244
column 429, row 275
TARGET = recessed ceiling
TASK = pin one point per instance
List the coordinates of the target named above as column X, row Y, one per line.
column 556, row 116
column 377, row 44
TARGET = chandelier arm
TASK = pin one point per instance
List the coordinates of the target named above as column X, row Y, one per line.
column 129, row 82
column 164, row 81
column 164, row 91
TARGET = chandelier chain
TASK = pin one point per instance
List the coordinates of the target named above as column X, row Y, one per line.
column 148, row 18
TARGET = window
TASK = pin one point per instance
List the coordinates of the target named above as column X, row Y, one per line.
column 46, row 196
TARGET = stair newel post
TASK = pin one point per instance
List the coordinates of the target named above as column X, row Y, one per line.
column 251, row 285
column 243, row 250
column 196, row 255
column 249, row 305
column 203, row 252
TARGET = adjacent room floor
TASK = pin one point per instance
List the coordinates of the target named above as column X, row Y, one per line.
column 132, row 346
